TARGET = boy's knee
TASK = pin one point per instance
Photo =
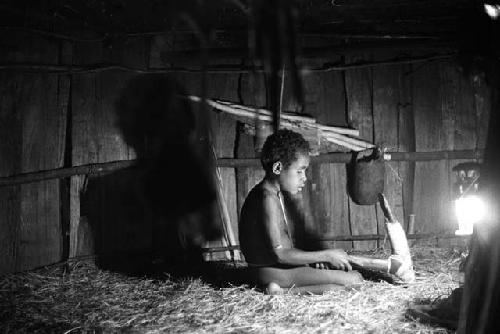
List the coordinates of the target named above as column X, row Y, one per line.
column 273, row 289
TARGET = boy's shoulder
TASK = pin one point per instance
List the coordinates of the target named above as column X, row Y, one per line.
column 263, row 189
column 261, row 196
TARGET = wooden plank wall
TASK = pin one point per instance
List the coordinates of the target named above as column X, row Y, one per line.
column 325, row 198
column 360, row 102
column 102, row 214
column 222, row 134
column 96, row 139
column 420, row 107
column 389, row 94
column 32, row 138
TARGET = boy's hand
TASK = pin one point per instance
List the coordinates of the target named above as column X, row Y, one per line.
column 321, row 265
column 338, row 259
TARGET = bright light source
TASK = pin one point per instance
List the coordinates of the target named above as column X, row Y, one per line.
column 469, row 210
column 493, row 11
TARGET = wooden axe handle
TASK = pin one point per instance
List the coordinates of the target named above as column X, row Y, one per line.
column 385, row 208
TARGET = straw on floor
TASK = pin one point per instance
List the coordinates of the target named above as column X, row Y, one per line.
column 86, row 299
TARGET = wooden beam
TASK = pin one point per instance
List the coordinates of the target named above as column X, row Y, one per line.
column 218, row 32
column 367, row 64
column 59, row 173
column 96, row 68
column 353, row 238
column 318, row 52
column 383, row 236
column 337, row 157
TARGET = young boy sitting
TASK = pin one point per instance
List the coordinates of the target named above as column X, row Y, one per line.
column 265, row 240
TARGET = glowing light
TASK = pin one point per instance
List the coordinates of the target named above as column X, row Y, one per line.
column 493, row 11
column 469, row 210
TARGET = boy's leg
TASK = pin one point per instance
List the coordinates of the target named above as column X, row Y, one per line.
column 310, row 279
column 275, row 289
column 314, row 289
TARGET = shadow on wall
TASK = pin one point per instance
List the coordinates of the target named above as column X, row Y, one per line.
column 163, row 207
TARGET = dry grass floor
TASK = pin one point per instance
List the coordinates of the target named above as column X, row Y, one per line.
column 85, row 299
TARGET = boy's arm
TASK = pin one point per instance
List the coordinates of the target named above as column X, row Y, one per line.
column 292, row 256
column 337, row 258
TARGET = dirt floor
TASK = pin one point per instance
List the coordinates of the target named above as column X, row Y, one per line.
column 80, row 298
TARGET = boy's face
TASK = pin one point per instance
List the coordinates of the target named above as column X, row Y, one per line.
column 293, row 178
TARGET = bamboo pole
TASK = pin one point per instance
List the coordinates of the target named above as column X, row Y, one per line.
column 337, row 129
column 344, row 143
column 357, row 142
column 229, row 237
column 290, row 121
column 251, row 113
column 286, row 115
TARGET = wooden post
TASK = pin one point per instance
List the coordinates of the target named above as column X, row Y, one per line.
column 481, row 297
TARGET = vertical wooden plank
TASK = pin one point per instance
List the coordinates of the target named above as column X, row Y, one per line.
column 363, row 219
column 32, row 139
column 406, row 140
column 85, row 144
column 63, row 97
column 457, row 109
column 386, row 97
column 9, row 226
column 81, row 239
column 431, row 177
column 482, row 106
column 43, row 146
column 41, row 139
column 10, row 158
column 325, row 196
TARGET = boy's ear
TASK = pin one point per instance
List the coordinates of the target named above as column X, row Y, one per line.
column 277, row 167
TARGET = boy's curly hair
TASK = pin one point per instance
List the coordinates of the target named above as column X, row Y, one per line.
column 283, row 146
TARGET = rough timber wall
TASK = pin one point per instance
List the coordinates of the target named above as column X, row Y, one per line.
column 449, row 114
column 97, row 139
column 32, row 138
column 406, row 108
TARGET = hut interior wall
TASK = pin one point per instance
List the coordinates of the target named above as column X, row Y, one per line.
column 33, row 119
column 420, row 107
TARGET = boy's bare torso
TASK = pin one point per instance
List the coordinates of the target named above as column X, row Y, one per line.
column 263, row 226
